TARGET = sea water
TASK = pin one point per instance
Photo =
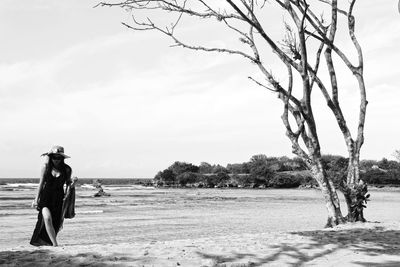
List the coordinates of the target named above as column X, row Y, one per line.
column 135, row 213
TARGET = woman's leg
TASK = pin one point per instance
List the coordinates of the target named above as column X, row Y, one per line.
column 48, row 222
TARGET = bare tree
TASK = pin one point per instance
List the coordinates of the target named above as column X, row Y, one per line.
column 309, row 37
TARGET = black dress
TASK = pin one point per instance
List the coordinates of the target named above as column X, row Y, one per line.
column 51, row 196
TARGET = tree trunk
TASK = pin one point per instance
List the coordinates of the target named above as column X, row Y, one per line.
column 355, row 191
column 331, row 198
column 355, row 196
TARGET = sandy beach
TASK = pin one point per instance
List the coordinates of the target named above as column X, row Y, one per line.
column 139, row 226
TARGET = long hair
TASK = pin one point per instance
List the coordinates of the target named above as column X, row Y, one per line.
column 50, row 166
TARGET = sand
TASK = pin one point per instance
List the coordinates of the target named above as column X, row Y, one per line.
column 369, row 244
column 206, row 228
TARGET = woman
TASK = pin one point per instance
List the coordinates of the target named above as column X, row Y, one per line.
column 50, row 195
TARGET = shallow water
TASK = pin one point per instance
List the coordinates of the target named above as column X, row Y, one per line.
column 135, row 213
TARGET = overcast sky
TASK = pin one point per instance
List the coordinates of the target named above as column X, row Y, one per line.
column 126, row 104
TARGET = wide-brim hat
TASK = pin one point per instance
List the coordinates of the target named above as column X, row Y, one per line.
column 56, row 150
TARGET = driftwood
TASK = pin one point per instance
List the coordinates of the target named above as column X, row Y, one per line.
column 100, row 193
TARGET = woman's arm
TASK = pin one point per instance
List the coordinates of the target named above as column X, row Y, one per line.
column 70, row 181
column 40, row 187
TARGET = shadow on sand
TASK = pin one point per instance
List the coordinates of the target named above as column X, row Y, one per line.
column 373, row 242
column 46, row 257
column 302, row 248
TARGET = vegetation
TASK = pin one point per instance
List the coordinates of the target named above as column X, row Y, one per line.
column 259, row 172
column 278, row 172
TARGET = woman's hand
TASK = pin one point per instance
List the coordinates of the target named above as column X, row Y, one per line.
column 74, row 180
column 34, row 204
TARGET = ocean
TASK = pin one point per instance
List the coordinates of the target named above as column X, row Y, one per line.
column 133, row 212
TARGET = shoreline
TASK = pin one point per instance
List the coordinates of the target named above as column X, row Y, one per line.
column 149, row 182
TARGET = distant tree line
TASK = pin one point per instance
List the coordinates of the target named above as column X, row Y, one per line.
column 276, row 172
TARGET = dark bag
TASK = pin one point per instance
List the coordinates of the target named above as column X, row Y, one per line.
column 68, row 207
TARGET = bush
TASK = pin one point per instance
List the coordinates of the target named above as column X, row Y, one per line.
column 388, row 164
column 376, row 176
column 205, row 167
column 258, row 181
column 248, row 180
column 241, row 180
column 335, row 163
column 211, row 180
column 295, row 164
column 166, row 177
column 186, row 178
column 278, row 172
column 219, row 169
column 284, row 180
column 179, row 167
column 307, row 179
column 367, row 164
column 238, row 168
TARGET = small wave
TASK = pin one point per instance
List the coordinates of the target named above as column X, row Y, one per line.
column 21, row 185
column 89, row 211
column 6, row 189
column 18, row 187
column 126, row 187
column 15, row 198
column 88, row 186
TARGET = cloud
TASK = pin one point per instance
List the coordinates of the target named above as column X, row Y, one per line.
column 128, row 105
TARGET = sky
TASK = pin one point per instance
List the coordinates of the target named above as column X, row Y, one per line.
column 127, row 104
